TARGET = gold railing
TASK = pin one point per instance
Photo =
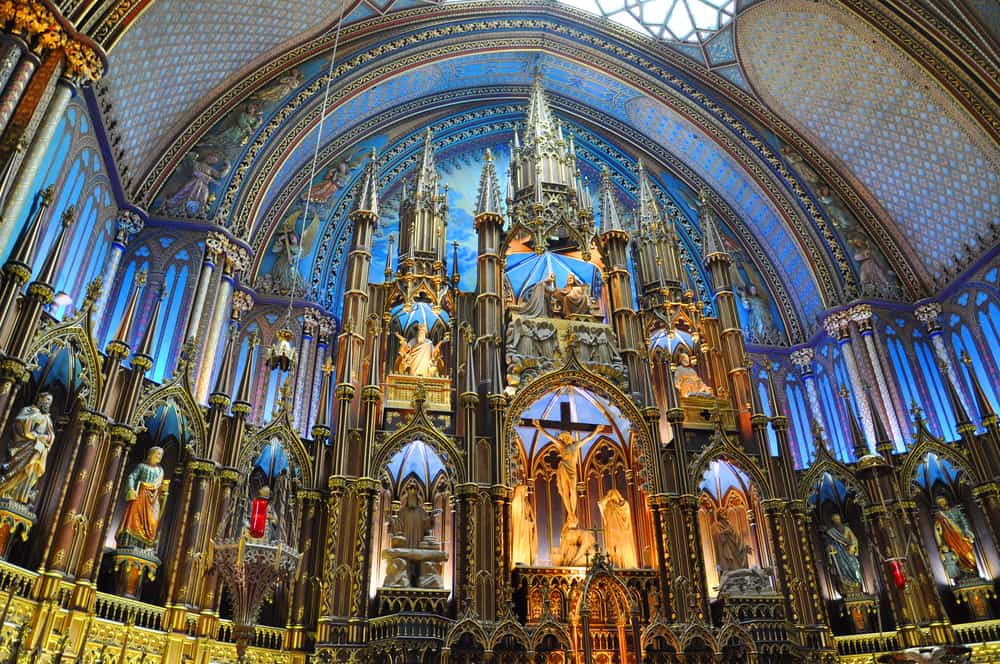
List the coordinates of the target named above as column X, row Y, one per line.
column 130, row 611
column 863, row 644
column 270, row 638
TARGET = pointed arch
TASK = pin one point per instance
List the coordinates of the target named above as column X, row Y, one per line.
column 927, row 444
column 76, row 334
column 177, row 394
column 699, row 631
column 281, row 429
column 550, row 627
column 509, row 627
column 467, row 626
column 574, row 373
column 723, row 449
column 836, row 469
column 420, row 427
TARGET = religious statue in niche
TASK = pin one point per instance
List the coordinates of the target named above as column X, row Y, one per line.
column 193, row 197
column 619, row 540
column 760, row 322
column 687, row 381
column 413, row 546
column 574, row 300
column 547, row 300
column 539, row 300
column 420, row 356
column 291, row 244
column 955, row 539
column 842, row 552
column 568, row 449
column 731, row 552
column 33, row 436
column 145, row 493
column 524, row 541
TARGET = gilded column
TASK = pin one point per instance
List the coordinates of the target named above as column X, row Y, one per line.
column 11, row 51
column 17, row 83
column 236, row 260
column 489, row 261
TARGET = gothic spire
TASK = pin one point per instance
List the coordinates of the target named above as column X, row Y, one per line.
column 222, row 386
column 246, row 379
column 649, row 209
column 858, row 440
column 124, row 332
column 27, row 242
column 540, row 125
column 488, row 200
column 48, row 272
column 366, row 199
column 427, row 176
column 882, row 438
column 711, row 237
column 610, row 215
column 986, row 412
column 145, row 348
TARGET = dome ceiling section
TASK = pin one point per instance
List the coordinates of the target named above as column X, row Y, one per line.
column 178, row 53
column 742, row 190
column 460, row 140
column 894, row 129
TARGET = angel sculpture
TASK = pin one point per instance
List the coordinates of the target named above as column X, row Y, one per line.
column 290, row 247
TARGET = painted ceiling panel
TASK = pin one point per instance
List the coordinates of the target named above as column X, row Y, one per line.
column 573, row 80
column 198, row 46
column 895, row 129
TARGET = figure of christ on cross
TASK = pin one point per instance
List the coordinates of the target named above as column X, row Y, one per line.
column 568, row 448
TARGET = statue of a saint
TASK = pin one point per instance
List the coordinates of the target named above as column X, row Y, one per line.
column 687, row 381
column 413, row 520
column 566, row 473
column 954, row 535
column 842, row 552
column 539, row 301
column 33, row 436
column 145, row 493
column 419, row 356
column 616, row 515
column 522, row 338
column 731, row 552
column 524, row 541
column 574, row 298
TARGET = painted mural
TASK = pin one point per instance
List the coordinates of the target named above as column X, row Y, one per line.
column 193, row 187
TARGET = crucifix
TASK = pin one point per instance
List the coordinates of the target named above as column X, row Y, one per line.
column 568, row 446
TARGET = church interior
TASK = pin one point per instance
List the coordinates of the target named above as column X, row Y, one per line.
column 532, row 331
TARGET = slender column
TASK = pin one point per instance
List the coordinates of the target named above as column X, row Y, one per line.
column 802, row 359
column 16, row 85
column 838, row 327
column 305, row 369
column 127, row 224
column 215, row 245
column 21, row 192
column 310, row 504
column 367, row 489
column 862, row 314
column 10, row 55
column 325, row 328
column 929, row 314
column 236, row 260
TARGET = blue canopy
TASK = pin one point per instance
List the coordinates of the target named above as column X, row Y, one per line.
column 422, row 312
column 527, row 269
column 417, row 458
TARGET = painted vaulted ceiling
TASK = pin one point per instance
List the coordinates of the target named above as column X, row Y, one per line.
column 841, row 165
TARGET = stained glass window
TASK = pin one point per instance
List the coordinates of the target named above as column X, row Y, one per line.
column 680, row 20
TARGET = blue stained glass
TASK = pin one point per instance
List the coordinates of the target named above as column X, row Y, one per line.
column 835, row 426
column 170, row 313
column 800, row 430
column 940, row 419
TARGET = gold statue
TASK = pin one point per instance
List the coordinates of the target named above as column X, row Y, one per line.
column 33, row 436
column 566, row 474
column 524, row 541
column 420, row 356
column 619, row 540
column 145, row 493
column 687, row 381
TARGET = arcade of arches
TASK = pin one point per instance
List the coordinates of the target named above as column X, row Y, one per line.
column 556, row 331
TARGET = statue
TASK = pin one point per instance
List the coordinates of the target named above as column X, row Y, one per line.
column 412, row 521
column 524, row 539
column 397, row 572
column 196, row 193
column 731, row 552
column 545, row 339
column 289, row 249
column 760, row 324
column 842, row 552
column 687, row 381
column 750, row 581
column 420, row 356
column 574, row 298
column 430, row 574
column 145, row 493
column 539, row 302
column 522, row 341
column 566, row 474
column 619, row 542
column 954, row 535
column 33, row 436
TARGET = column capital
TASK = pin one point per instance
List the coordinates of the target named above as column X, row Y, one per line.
column 237, row 258
column 836, row 324
column 802, row 358
column 242, row 303
column 215, row 244
column 860, row 313
column 128, row 223
column 928, row 314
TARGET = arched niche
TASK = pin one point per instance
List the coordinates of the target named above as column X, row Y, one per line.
column 947, row 515
column 413, row 513
column 576, row 431
column 730, row 521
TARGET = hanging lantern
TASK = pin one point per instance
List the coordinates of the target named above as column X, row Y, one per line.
column 897, row 572
column 258, row 513
column 282, row 353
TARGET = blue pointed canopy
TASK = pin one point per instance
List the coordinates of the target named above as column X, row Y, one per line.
column 417, row 458
column 524, row 270
column 421, row 312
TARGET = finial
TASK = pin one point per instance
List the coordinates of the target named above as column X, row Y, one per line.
column 94, row 289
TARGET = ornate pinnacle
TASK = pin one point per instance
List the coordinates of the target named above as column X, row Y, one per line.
column 366, row 198
column 488, row 200
column 610, row 214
